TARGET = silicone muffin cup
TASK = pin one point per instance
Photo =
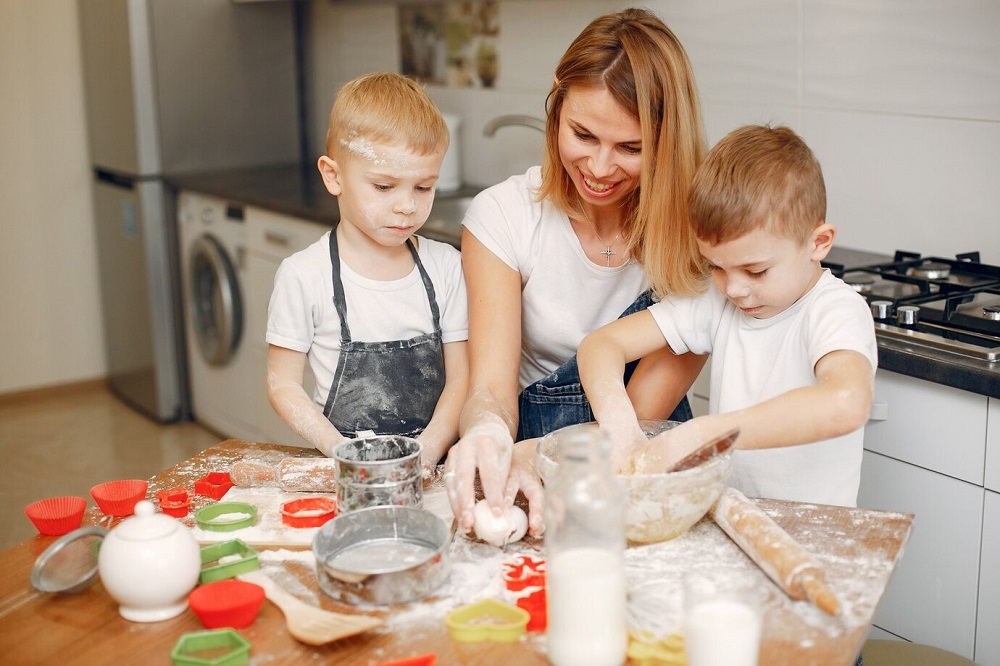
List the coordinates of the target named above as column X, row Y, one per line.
column 55, row 516
column 118, row 498
column 227, row 603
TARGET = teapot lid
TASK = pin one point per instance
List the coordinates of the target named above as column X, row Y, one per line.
column 146, row 524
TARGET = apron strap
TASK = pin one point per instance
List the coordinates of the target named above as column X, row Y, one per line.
column 340, row 301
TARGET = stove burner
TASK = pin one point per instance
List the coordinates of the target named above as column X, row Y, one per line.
column 930, row 270
column 860, row 282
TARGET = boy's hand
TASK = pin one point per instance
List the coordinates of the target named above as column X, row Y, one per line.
column 669, row 447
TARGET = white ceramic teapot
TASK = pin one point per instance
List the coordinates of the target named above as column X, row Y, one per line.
column 148, row 564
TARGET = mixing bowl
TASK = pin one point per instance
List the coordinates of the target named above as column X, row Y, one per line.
column 659, row 506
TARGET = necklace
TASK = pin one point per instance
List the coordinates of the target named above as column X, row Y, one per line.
column 607, row 251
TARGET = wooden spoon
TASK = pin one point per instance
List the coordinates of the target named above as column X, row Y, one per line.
column 710, row 449
column 657, row 460
column 307, row 623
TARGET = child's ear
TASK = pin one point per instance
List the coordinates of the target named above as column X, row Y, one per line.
column 822, row 241
column 330, row 171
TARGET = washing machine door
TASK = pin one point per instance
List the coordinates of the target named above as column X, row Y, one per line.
column 216, row 307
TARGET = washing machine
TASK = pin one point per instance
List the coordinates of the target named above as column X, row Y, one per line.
column 226, row 382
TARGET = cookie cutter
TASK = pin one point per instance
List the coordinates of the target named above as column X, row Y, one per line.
column 523, row 572
column 205, row 648
column 214, row 485
column 174, row 502
column 487, row 620
column 308, row 512
column 227, row 560
column 226, row 516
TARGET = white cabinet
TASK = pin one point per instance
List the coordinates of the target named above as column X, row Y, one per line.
column 988, row 624
column 925, row 454
column 993, row 448
column 270, row 238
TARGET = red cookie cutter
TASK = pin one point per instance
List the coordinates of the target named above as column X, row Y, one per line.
column 308, row 512
column 522, row 572
column 537, row 608
column 174, row 502
column 214, row 485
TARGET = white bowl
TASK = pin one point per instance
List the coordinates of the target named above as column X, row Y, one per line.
column 659, row 506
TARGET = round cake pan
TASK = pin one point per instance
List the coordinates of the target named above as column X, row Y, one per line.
column 382, row 555
column 378, row 471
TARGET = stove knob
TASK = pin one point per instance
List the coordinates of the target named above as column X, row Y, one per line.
column 881, row 310
column 992, row 312
column 907, row 315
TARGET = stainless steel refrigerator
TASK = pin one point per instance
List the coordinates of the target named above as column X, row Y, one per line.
column 173, row 86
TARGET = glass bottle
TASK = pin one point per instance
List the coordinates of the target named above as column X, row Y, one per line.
column 585, row 554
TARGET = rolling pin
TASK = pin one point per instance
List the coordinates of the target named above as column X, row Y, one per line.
column 773, row 550
column 311, row 475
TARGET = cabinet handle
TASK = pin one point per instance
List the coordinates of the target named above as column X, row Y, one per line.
column 276, row 238
column 880, row 412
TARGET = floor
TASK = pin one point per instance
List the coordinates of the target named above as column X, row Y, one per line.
column 63, row 441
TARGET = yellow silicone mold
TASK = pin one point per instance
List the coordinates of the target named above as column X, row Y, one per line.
column 487, row 620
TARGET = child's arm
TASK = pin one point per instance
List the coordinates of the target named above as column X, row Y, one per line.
column 285, row 369
column 602, row 356
column 838, row 403
column 442, row 430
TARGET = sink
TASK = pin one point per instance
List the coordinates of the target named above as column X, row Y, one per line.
column 445, row 221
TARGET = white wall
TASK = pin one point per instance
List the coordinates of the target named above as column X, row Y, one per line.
column 900, row 99
column 50, row 321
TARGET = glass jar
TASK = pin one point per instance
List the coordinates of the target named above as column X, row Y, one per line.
column 585, row 548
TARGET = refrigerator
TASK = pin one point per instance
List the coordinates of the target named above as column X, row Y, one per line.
column 173, row 87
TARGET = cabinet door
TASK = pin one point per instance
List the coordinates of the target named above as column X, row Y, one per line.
column 931, row 598
column 988, row 622
column 930, row 425
column 993, row 447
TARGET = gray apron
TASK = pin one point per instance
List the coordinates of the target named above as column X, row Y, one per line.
column 389, row 387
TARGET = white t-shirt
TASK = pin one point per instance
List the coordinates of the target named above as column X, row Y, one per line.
column 564, row 295
column 302, row 316
column 754, row 360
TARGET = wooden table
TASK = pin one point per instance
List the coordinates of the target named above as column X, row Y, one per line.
column 858, row 548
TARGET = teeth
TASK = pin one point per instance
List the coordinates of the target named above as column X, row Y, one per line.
column 597, row 187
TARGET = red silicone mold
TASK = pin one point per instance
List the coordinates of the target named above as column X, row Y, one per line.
column 214, row 485
column 174, row 502
column 308, row 512
column 227, row 603
column 55, row 516
column 118, row 498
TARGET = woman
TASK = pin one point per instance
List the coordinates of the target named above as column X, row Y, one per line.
column 559, row 251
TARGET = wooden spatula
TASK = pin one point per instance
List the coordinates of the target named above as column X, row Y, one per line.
column 657, row 459
column 710, row 449
column 309, row 624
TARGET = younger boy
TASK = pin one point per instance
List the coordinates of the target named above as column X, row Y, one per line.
column 794, row 352
column 380, row 314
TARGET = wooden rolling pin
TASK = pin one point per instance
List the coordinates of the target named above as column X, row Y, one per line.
column 311, row 475
column 773, row 550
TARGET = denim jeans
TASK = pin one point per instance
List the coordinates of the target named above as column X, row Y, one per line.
column 558, row 400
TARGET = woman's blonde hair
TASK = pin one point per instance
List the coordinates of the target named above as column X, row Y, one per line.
column 385, row 107
column 640, row 62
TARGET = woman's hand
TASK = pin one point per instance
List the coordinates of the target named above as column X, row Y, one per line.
column 524, row 478
column 485, row 447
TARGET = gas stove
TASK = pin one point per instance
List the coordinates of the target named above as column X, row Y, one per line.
column 951, row 305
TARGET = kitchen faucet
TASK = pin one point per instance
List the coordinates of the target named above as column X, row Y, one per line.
column 490, row 128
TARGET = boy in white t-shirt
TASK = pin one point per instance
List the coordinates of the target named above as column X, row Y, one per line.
column 793, row 347
column 380, row 314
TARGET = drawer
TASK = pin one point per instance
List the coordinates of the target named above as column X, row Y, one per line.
column 277, row 236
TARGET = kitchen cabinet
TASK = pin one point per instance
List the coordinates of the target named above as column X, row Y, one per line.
column 270, row 238
column 992, row 476
column 988, row 621
column 925, row 451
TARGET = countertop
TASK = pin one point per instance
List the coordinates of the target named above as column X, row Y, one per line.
column 298, row 191
column 858, row 549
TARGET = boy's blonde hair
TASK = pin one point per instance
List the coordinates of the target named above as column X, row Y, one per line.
column 387, row 108
column 758, row 177
column 643, row 66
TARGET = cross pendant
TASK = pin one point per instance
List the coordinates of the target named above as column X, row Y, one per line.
column 608, row 253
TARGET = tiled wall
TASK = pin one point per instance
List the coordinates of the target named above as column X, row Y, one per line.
column 900, row 99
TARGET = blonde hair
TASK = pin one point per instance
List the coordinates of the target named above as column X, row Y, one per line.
column 643, row 66
column 758, row 177
column 385, row 107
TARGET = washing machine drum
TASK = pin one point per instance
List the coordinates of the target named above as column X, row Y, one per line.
column 216, row 307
